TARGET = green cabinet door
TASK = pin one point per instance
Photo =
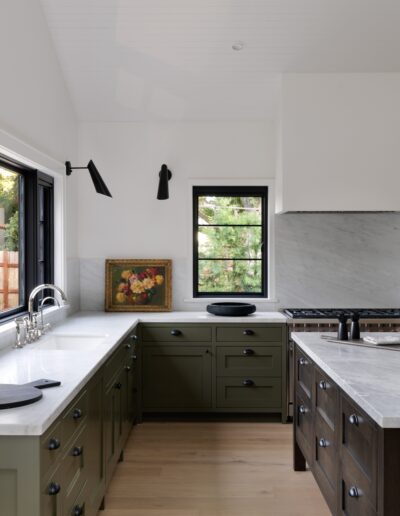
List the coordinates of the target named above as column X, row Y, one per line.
column 113, row 401
column 176, row 378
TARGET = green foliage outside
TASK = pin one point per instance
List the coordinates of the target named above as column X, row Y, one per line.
column 9, row 197
column 228, row 242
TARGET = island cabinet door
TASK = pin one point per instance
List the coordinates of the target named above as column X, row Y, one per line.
column 176, row 378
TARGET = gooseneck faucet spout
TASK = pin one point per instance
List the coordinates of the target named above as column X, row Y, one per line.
column 40, row 288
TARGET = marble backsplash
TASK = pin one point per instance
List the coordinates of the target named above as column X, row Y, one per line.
column 322, row 260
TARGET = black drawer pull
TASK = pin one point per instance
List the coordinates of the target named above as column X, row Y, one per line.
column 303, row 361
column 248, row 382
column 128, row 368
column 118, row 385
column 354, row 492
column 322, row 385
column 128, row 346
column 302, row 409
column 134, row 337
column 54, row 444
column 323, row 443
column 54, row 488
column 77, row 451
column 134, row 357
column 353, row 419
column 176, row 333
column 248, row 332
column 77, row 413
column 248, row 352
column 78, row 510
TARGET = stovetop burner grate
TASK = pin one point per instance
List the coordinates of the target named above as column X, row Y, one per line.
column 333, row 313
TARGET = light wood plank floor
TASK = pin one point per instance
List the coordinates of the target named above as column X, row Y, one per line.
column 211, row 469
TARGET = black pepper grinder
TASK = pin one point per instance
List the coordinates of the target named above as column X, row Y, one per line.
column 355, row 326
column 342, row 329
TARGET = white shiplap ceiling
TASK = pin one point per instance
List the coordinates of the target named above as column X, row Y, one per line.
column 127, row 60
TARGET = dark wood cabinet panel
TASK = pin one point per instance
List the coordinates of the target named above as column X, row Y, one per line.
column 326, row 398
column 304, row 372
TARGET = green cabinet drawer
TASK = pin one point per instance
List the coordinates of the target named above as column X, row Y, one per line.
column 243, row 392
column 249, row 360
column 120, row 355
column 176, row 378
column 51, row 447
column 250, row 333
column 74, row 417
column 176, row 333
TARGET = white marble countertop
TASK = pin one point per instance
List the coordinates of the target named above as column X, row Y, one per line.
column 74, row 368
column 371, row 377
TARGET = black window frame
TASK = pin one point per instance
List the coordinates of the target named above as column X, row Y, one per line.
column 30, row 204
column 234, row 191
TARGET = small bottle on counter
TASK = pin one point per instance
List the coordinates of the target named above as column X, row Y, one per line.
column 355, row 326
column 342, row 329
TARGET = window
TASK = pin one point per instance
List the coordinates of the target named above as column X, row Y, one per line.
column 229, row 233
column 26, row 234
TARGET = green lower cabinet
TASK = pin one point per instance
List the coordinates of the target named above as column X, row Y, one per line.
column 177, row 378
column 256, row 393
column 113, row 424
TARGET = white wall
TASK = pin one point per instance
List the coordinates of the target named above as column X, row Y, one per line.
column 339, row 142
column 37, row 120
column 134, row 224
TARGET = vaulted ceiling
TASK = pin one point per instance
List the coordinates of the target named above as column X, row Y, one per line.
column 128, row 60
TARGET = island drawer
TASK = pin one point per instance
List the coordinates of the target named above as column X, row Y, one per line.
column 303, row 419
column 249, row 392
column 359, row 438
column 248, row 334
column 326, row 398
column 304, row 370
column 176, row 333
column 249, row 360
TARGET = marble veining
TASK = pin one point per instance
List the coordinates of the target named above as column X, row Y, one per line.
column 369, row 376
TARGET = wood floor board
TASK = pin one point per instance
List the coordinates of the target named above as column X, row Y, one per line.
column 211, row 469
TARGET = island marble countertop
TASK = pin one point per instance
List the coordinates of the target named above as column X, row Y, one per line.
column 369, row 376
column 75, row 367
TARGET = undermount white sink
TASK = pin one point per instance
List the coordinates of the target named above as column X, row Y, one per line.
column 82, row 342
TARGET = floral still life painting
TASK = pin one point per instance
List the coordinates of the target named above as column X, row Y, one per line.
column 138, row 285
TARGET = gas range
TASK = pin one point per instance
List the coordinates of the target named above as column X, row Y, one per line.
column 333, row 313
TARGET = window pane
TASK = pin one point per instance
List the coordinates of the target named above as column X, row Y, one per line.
column 230, row 276
column 9, row 239
column 230, row 242
column 229, row 210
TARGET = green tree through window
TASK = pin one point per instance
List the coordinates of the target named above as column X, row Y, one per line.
column 229, row 235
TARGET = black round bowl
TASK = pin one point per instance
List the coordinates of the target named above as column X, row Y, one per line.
column 231, row 309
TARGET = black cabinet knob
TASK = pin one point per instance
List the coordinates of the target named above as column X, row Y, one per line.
column 134, row 337
column 353, row 419
column 78, row 510
column 128, row 368
column 248, row 382
column 118, row 385
column 77, row 451
column 54, row 444
column 54, row 488
column 323, row 443
column 134, row 357
column 128, row 346
column 322, row 385
column 248, row 352
column 302, row 409
column 248, row 332
column 354, row 492
column 176, row 333
column 77, row 413
column 303, row 361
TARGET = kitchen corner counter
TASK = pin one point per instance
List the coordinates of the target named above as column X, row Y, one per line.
column 369, row 376
column 75, row 368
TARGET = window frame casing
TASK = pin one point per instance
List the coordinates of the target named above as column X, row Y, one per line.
column 234, row 191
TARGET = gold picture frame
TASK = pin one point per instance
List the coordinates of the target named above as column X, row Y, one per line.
column 138, row 285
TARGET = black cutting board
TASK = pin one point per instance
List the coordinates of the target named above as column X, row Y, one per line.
column 12, row 395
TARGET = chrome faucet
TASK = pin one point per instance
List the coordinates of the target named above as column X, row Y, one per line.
column 33, row 330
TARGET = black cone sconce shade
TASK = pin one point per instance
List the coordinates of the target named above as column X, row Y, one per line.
column 98, row 182
column 165, row 176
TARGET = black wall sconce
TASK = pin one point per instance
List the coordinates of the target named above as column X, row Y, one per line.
column 98, row 182
column 165, row 176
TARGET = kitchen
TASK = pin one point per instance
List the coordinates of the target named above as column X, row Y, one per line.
column 294, row 103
